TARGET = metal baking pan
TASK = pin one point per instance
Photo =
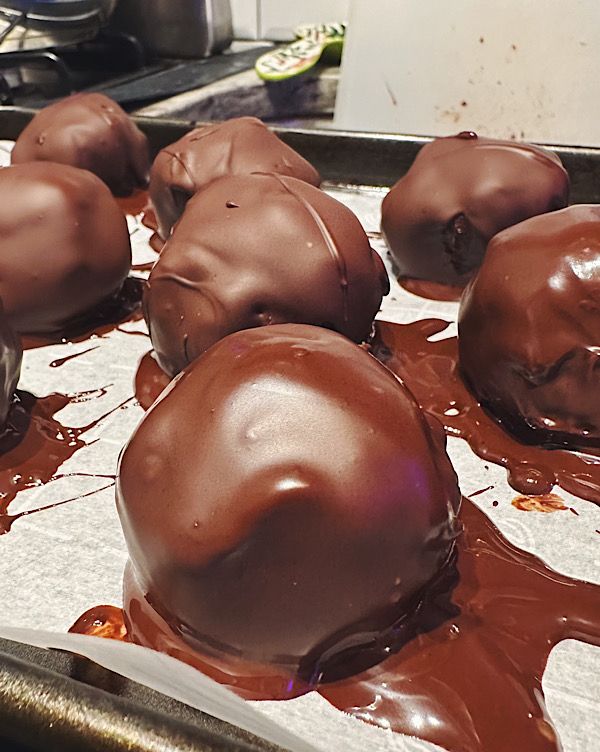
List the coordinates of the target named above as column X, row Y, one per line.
column 348, row 157
column 50, row 700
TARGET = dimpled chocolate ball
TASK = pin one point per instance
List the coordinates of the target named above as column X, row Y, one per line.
column 92, row 132
column 529, row 328
column 256, row 250
column 459, row 192
column 64, row 245
column 236, row 147
column 285, row 498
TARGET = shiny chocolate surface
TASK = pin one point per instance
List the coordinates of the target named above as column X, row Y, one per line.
column 64, row 245
column 236, row 147
column 285, row 500
column 92, row 132
column 459, row 192
column 256, row 250
column 529, row 329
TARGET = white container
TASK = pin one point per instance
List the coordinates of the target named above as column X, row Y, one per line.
column 277, row 19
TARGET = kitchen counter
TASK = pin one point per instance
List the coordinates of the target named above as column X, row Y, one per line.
column 307, row 100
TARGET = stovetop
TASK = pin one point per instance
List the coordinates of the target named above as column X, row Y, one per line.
column 115, row 64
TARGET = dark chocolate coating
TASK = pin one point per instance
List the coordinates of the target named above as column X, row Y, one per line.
column 529, row 328
column 459, row 192
column 64, row 245
column 286, row 498
column 256, row 250
column 92, row 132
column 236, row 147
column 11, row 355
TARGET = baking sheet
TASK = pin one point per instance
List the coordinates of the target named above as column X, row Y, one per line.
column 56, row 564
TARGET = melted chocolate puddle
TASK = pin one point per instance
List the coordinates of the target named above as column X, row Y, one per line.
column 120, row 308
column 150, row 380
column 7, row 520
column 139, row 207
column 34, row 445
column 102, row 621
column 468, row 674
column 544, row 503
column 145, row 267
column 431, row 290
column 149, row 220
column 135, row 204
column 474, row 683
column 430, row 370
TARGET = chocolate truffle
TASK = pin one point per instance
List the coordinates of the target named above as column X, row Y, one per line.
column 64, row 245
column 255, row 250
column 92, row 132
column 459, row 192
column 11, row 355
column 529, row 328
column 235, row 147
column 285, row 499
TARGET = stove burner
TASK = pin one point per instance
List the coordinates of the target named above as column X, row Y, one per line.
column 12, row 21
column 35, row 78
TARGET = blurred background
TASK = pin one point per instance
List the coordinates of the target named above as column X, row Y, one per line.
column 516, row 69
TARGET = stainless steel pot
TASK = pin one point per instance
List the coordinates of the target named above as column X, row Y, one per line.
column 177, row 28
column 39, row 24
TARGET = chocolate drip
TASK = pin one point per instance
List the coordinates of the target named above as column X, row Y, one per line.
column 467, row 669
column 135, row 205
column 150, row 380
column 61, row 361
column 34, row 445
column 430, row 370
column 336, row 253
column 431, row 290
column 470, row 679
column 125, row 306
column 102, row 621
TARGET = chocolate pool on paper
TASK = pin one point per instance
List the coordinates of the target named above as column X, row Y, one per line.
column 430, row 370
column 463, row 672
column 34, row 445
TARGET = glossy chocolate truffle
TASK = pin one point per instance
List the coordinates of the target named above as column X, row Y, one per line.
column 256, row 250
column 459, row 192
column 529, row 328
column 235, row 147
column 11, row 355
column 92, row 132
column 64, row 245
column 286, row 498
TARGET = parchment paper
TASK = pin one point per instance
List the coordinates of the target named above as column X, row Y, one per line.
column 56, row 564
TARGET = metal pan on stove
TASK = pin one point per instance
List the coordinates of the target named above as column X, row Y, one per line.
column 27, row 25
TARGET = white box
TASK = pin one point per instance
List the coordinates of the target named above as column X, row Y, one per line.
column 279, row 18
column 245, row 19
column 519, row 69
